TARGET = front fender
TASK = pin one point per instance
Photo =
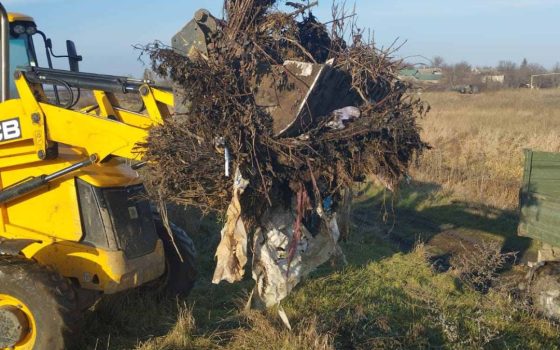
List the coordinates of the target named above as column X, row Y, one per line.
column 14, row 246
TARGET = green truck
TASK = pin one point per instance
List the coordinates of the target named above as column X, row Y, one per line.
column 540, row 220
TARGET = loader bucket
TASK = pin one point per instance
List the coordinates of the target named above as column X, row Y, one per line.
column 295, row 93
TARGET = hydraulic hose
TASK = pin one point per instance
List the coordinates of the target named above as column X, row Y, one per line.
column 21, row 189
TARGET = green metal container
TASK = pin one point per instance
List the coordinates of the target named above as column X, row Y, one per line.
column 540, row 197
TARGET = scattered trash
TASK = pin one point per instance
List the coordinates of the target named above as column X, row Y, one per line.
column 274, row 270
column 342, row 116
column 232, row 250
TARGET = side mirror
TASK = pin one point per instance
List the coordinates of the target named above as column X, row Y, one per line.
column 73, row 58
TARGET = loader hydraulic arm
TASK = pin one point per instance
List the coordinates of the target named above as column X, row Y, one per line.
column 36, row 127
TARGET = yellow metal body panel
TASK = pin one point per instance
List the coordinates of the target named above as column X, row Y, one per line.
column 51, row 216
column 32, row 108
column 104, row 104
column 153, row 106
column 14, row 16
column 97, row 269
column 55, row 211
column 164, row 97
column 96, row 135
column 51, row 212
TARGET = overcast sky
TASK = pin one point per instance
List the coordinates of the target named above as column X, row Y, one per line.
column 482, row 32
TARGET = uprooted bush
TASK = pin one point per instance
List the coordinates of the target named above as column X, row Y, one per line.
column 223, row 116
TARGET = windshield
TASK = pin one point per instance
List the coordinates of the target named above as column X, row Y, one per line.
column 19, row 57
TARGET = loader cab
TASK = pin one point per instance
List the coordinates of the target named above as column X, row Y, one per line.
column 21, row 48
column 17, row 49
column 18, row 31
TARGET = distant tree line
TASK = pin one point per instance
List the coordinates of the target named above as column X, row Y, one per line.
column 514, row 75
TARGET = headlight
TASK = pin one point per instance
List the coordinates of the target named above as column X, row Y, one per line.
column 19, row 29
column 31, row 30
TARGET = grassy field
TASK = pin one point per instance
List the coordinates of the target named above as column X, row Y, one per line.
column 478, row 141
column 395, row 293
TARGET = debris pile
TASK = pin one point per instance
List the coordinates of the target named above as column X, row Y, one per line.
column 276, row 118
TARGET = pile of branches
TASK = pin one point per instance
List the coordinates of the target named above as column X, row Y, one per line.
column 219, row 88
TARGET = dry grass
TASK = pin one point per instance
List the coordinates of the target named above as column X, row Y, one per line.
column 179, row 337
column 260, row 330
column 478, row 141
column 246, row 330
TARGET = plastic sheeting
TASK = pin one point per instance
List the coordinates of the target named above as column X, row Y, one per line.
column 275, row 274
column 275, row 270
column 343, row 116
column 231, row 254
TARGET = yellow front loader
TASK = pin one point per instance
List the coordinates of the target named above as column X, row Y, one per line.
column 75, row 222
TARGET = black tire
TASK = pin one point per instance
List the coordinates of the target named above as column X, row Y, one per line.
column 545, row 290
column 180, row 275
column 49, row 297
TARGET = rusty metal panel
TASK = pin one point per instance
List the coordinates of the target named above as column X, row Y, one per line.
column 540, row 197
column 298, row 93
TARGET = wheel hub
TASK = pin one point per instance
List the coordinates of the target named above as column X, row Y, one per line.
column 14, row 326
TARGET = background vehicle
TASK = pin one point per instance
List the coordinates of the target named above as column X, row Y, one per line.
column 466, row 89
column 75, row 223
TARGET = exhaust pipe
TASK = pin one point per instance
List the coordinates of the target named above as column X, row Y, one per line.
column 4, row 54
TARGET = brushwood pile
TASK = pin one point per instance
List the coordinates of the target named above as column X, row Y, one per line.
column 279, row 116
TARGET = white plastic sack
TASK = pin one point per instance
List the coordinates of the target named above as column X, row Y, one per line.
column 274, row 274
column 231, row 254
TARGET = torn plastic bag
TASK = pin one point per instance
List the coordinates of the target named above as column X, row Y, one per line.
column 274, row 274
column 232, row 250
column 341, row 117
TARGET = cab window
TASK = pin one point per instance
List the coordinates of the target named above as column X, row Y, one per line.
column 19, row 57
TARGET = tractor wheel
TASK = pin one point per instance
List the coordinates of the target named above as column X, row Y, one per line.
column 545, row 289
column 180, row 272
column 37, row 306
